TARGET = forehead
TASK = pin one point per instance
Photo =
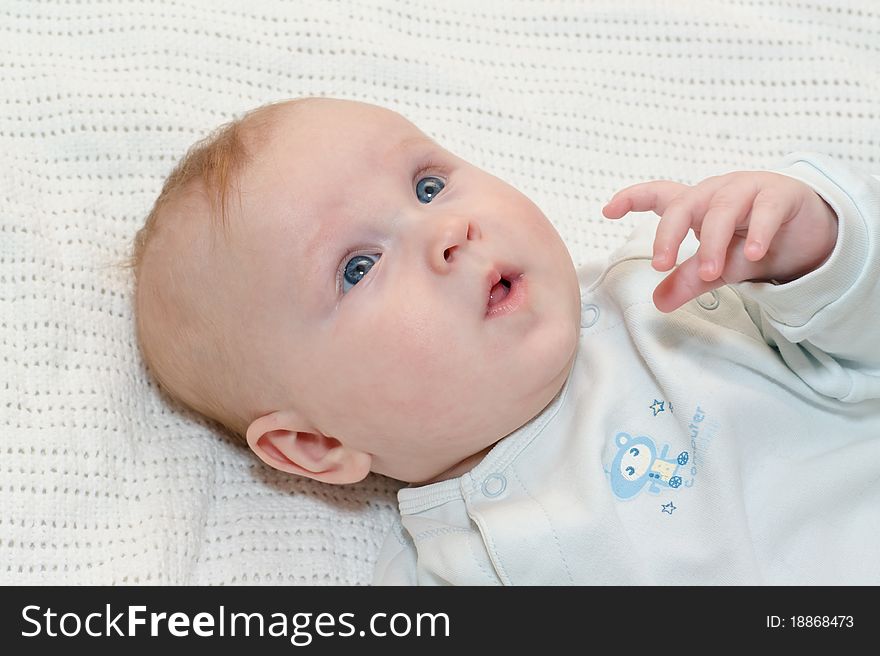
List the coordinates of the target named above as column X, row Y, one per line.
column 315, row 146
column 318, row 134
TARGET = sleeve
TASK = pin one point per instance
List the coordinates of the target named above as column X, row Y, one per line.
column 397, row 560
column 826, row 324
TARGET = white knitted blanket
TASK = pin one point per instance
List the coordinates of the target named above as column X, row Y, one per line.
column 104, row 482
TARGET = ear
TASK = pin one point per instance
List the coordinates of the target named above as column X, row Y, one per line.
column 279, row 440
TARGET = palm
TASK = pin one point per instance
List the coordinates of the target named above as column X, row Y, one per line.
column 796, row 249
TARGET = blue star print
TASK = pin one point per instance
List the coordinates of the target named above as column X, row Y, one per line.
column 667, row 508
column 656, row 407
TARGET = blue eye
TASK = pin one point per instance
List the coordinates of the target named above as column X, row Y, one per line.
column 631, row 470
column 355, row 269
column 634, row 451
column 428, row 187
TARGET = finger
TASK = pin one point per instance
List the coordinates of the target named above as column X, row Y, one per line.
column 671, row 231
column 643, row 197
column 728, row 207
column 682, row 285
column 769, row 211
column 682, row 213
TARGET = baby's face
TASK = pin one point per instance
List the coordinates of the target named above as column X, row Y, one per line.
column 409, row 305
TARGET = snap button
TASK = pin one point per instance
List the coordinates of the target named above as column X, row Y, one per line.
column 493, row 485
column 709, row 300
column 589, row 315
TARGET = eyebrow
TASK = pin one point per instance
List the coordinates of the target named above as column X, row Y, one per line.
column 408, row 143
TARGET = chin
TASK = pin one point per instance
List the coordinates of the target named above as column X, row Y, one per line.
column 549, row 360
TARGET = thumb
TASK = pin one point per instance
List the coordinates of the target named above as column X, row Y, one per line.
column 682, row 285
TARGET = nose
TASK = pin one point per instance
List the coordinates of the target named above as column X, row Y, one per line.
column 446, row 235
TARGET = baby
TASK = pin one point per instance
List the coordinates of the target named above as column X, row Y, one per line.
column 325, row 280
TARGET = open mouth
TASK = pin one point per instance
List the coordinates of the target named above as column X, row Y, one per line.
column 506, row 293
column 499, row 292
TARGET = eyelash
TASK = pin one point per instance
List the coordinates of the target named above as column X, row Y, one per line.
column 428, row 167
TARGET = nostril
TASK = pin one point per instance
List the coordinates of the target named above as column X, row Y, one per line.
column 447, row 254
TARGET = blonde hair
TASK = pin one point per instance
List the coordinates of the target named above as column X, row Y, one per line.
column 211, row 166
column 213, row 161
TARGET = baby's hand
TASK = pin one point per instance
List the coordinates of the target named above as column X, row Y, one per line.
column 752, row 225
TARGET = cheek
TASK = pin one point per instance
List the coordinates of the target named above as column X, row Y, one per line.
column 401, row 358
column 415, row 339
column 541, row 231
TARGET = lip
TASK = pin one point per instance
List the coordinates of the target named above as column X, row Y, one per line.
column 516, row 296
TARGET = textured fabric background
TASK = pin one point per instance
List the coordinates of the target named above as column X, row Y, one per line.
column 102, row 481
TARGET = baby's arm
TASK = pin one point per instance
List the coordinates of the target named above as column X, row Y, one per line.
column 819, row 231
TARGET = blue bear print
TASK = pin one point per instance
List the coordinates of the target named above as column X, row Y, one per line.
column 636, row 464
